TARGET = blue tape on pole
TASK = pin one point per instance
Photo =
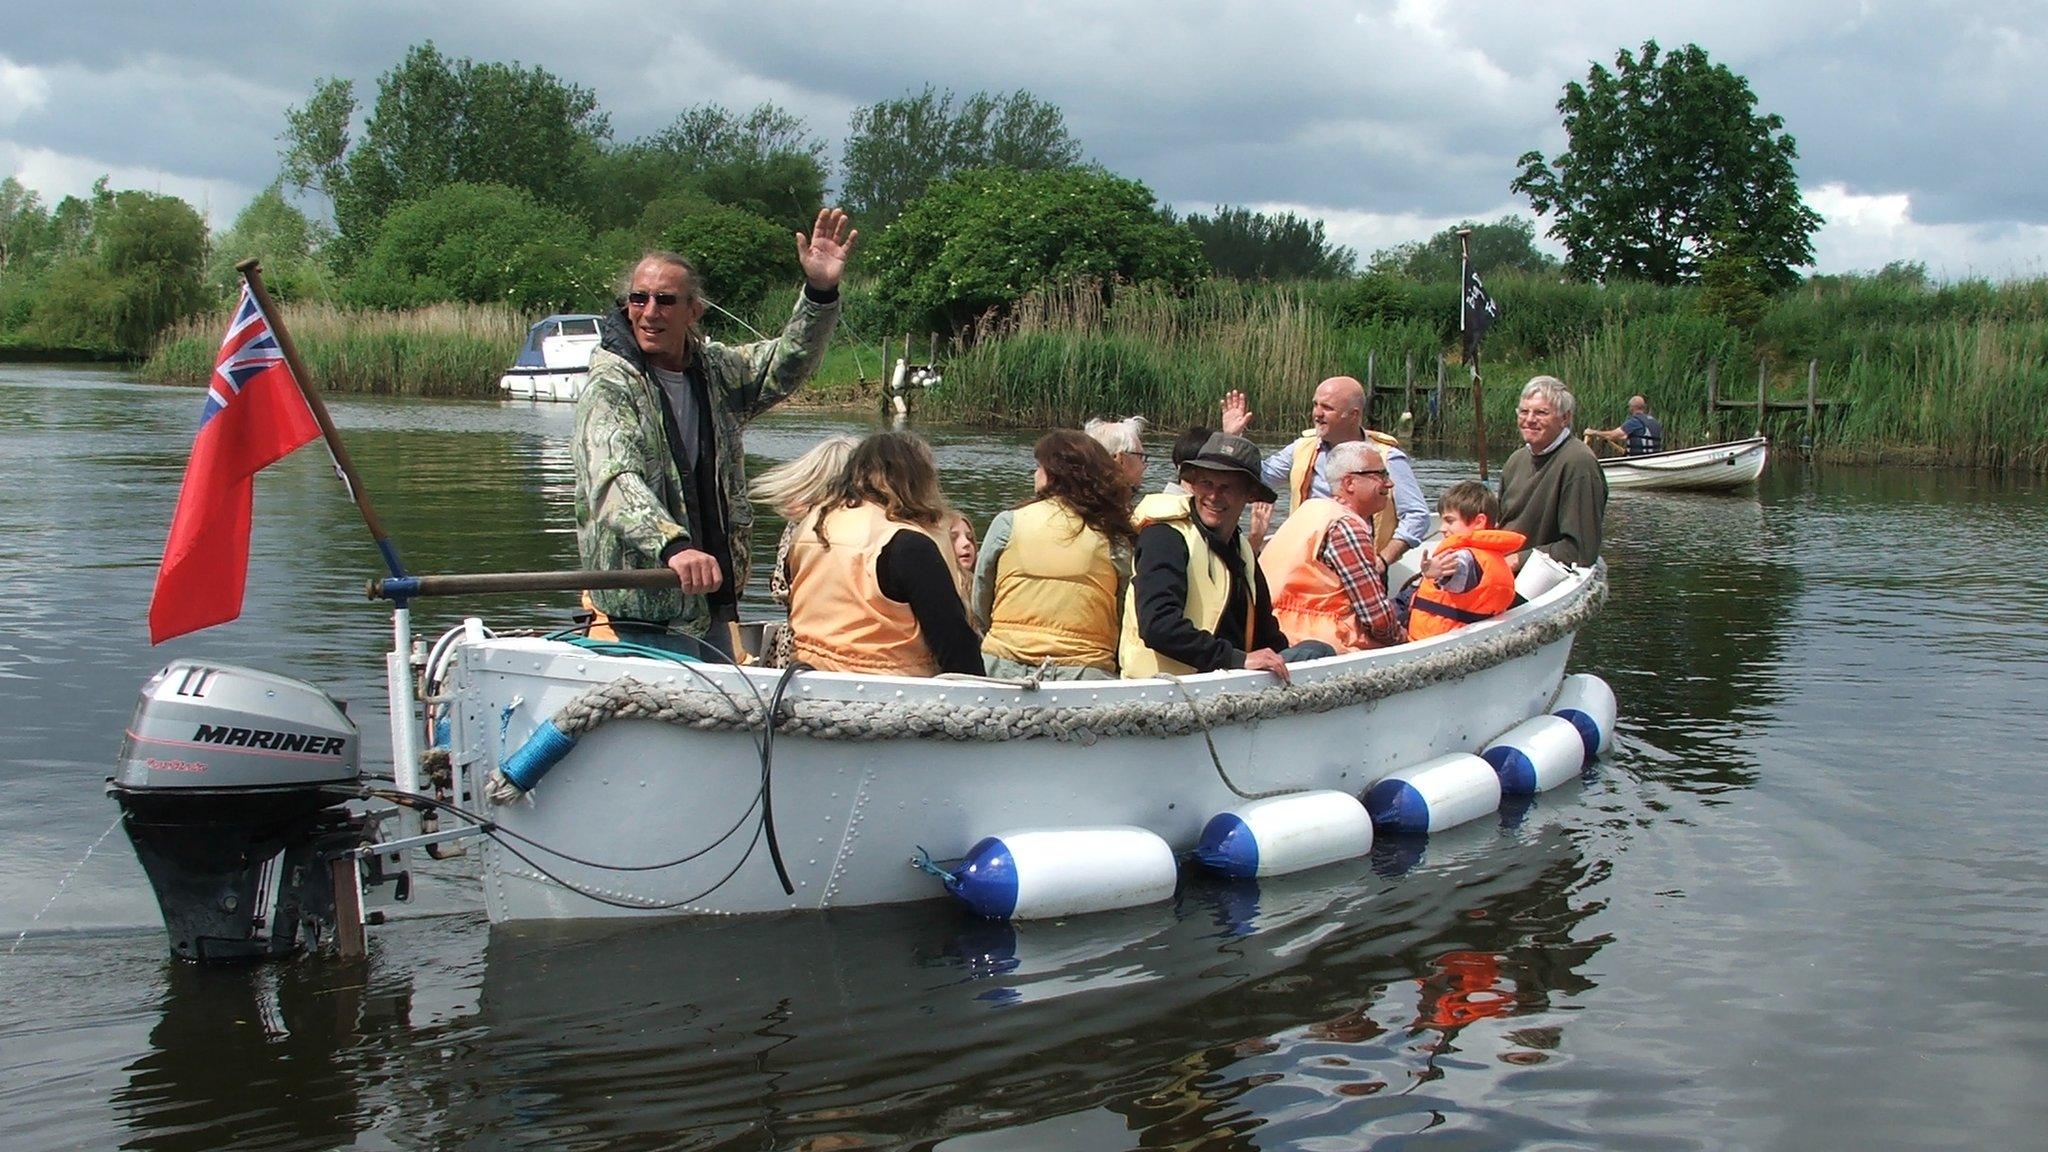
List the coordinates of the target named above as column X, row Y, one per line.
column 1517, row 773
column 390, row 552
column 542, row 751
column 398, row 587
column 1397, row 806
column 1228, row 846
column 987, row 879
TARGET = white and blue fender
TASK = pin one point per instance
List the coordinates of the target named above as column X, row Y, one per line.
column 1587, row 701
column 1536, row 755
column 1037, row 874
column 1435, row 794
column 1282, row 834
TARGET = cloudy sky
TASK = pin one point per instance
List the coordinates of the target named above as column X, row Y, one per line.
column 1918, row 124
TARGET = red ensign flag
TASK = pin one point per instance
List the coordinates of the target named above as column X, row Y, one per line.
column 254, row 417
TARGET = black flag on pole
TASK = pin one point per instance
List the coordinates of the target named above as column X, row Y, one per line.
column 1476, row 314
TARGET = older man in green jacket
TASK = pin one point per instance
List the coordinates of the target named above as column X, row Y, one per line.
column 660, row 470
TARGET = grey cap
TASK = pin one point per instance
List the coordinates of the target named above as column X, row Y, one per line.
column 1226, row 453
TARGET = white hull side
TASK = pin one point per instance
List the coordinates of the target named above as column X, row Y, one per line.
column 1709, row 468
column 563, row 386
column 849, row 815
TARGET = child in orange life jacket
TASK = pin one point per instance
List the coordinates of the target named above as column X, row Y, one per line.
column 1466, row 579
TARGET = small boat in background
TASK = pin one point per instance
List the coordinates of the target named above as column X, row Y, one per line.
column 1708, row 468
column 555, row 361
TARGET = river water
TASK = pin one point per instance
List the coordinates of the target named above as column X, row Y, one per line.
column 1804, row 902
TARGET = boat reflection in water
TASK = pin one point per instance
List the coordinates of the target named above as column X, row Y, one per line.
column 1354, row 992
column 881, row 1025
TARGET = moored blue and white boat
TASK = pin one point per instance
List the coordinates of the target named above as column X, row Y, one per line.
column 554, row 363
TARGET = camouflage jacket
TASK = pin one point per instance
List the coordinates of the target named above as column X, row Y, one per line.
column 632, row 498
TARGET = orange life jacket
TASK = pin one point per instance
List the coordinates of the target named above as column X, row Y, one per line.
column 1301, row 478
column 1436, row 611
column 840, row 619
column 1308, row 599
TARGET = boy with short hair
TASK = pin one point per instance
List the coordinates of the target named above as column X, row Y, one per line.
column 1466, row 578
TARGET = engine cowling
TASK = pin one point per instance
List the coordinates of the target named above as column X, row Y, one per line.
column 233, row 785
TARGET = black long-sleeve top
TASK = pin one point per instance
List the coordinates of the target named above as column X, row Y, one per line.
column 1160, row 585
column 911, row 570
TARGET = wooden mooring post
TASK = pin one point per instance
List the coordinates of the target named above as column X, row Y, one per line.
column 1813, row 405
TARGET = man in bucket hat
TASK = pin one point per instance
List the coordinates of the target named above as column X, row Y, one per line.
column 1197, row 602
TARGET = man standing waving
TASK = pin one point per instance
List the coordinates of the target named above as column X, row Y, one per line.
column 660, row 470
column 1339, row 418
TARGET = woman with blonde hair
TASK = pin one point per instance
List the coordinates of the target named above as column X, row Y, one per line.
column 793, row 488
column 1052, row 574
column 872, row 585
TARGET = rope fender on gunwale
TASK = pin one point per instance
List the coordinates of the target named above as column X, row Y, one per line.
column 628, row 698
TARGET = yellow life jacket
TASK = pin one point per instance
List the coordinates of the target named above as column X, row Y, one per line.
column 840, row 619
column 1308, row 599
column 1055, row 592
column 1301, row 479
column 1436, row 611
column 1208, row 587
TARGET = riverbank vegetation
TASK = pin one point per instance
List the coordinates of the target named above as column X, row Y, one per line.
column 1051, row 289
column 1905, row 370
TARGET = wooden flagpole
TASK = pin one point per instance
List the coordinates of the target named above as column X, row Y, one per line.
column 252, row 271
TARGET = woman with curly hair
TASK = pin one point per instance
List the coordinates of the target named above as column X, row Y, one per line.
column 1052, row 571
column 871, row 585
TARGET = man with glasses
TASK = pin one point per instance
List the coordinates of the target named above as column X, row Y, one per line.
column 660, row 470
column 1552, row 490
column 1338, row 417
column 1320, row 564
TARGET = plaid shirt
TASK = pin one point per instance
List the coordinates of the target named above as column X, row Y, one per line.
column 1348, row 552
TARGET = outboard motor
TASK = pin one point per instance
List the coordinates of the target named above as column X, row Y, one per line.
column 233, row 785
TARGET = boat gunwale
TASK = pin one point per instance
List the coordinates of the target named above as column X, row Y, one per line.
column 843, row 706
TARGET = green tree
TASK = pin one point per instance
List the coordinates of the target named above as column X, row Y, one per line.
column 480, row 243
column 144, row 273
column 1666, row 152
column 1509, row 243
column 739, row 256
column 899, row 147
column 1248, row 245
column 1731, row 287
column 24, row 225
column 764, row 162
column 439, row 121
column 979, row 241
column 316, row 137
column 274, row 231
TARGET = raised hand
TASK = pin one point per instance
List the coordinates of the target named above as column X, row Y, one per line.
column 823, row 253
column 1261, row 523
column 1237, row 413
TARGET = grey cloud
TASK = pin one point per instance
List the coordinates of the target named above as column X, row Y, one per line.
column 1205, row 102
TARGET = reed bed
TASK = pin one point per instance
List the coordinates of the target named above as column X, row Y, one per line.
column 1068, row 353
column 440, row 350
column 1957, row 374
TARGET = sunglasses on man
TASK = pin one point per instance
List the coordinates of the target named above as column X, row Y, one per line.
column 640, row 299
